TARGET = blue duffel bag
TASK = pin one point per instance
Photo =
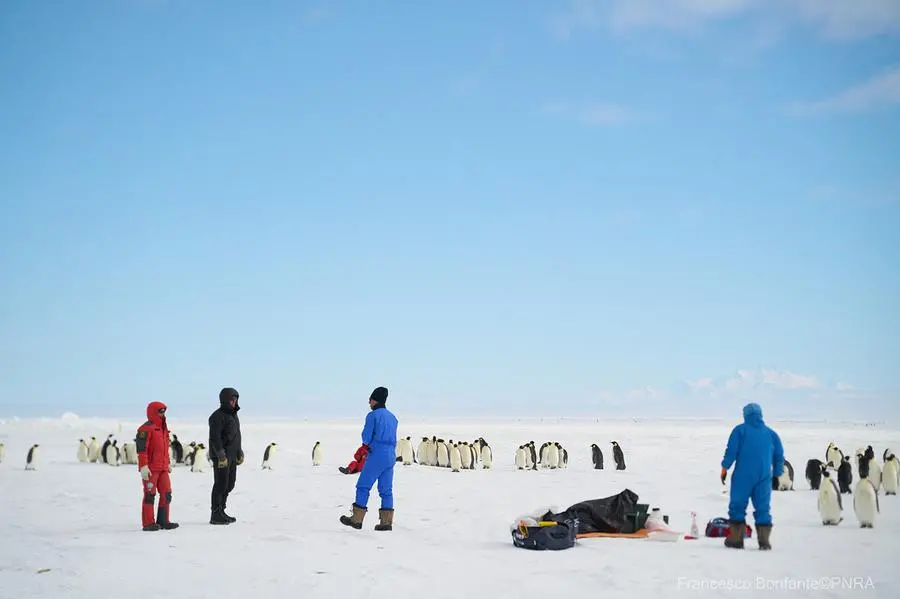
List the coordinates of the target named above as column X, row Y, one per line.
column 546, row 538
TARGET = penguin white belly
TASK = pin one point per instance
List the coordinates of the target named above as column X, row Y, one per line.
column 111, row 455
column 423, row 453
column 875, row 473
column 443, row 455
column 865, row 503
column 93, row 451
column 553, row 457
column 455, row 459
column 406, row 455
column 521, row 459
column 465, row 454
column 528, row 461
column 833, row 457
column 784, row 481
column 829, row 503
column 487, row 459
column 890, row 477
column 82, row 452
column 431, row 454
column 317, row 456
column 198, row 464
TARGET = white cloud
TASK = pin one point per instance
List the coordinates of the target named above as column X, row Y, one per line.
column 833, row 19
column 879, row 91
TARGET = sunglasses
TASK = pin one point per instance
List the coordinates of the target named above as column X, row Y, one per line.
column 161, row 411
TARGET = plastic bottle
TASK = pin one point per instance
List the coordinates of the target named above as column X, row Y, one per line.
column 695, row 531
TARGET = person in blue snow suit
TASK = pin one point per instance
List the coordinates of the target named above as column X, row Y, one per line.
column 379, row 437
column 757, row 454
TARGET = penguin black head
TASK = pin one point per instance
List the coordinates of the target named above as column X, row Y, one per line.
column 869, row 453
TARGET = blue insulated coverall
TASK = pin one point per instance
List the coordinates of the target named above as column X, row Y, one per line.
column 380, row 435
column 757, row 454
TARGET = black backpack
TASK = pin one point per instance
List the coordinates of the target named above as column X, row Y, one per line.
column 541, row 538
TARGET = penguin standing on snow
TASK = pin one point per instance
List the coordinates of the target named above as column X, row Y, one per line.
column 865, row 497
column 110, row 453
column 487, row 455
column 31, row 460
column 199, row 458
column 830, row 504
column 104, row 455
column 177, row 450
column 890, row 475
column 618, row 456
column 785, row 482
column 521, row 458
column 455, row 457
column 82, row 451
column 845, row 475
column 874, row 468
column 833, row 455
column 596, row 456
column 2, row 452
column 317, row 454
column 269, row 455
column 814, row 473
column 533, row 464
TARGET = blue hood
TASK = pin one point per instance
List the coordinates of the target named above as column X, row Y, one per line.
column 753, row 414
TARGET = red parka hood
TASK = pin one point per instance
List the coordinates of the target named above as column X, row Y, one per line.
column 153, row 409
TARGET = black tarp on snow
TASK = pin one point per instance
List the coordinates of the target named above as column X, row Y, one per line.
column 608, row 514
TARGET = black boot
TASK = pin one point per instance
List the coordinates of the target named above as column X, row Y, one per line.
column 162, row 518
column 151, row 527
column 344, row 470
column 217, row 516
column 229, row 518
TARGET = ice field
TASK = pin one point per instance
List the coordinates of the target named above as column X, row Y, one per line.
column 73, row 530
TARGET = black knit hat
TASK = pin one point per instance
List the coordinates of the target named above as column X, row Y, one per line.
column 379, row 395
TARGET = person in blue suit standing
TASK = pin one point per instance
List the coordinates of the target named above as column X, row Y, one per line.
column 379, row 437
column 757, row 454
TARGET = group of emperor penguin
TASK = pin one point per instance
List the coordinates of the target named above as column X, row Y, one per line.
column 618, row 456
column 872, row 478
column 552, row 455
column 110, row 452
column 455, row 455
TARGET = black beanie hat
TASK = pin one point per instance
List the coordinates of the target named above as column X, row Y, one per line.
column 379, row 395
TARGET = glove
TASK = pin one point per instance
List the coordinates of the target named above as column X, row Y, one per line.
column 723, row 475
column 145, row 472
column 361, row 453
column 240, row 459
column 222, row 463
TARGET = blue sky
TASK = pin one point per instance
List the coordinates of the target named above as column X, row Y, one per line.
column 504, row 207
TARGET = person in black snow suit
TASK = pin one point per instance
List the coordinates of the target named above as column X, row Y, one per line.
column 226, row 453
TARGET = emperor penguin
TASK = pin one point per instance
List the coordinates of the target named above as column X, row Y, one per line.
column 111, row 453
column 833, row 455
column 190, row 453
column 845, row 475
column 830, row 504
column 31, row 460
column 177, row 450
column 317, row 454
column 785, row 482
column 433, row 452
column 553, row 456
column 104, row 453
column 596, row 456
column 82, row 451
column 2, row 452
column 198, row 460
column 563, row 461
column 487, row 456
column 865, row 496
column 890, row 475
column 93, row 451
column 467, row 453
column 874, row 468
column 527, row 455
column 455, row 457
column 269, row 455
column 407, row 457
column 423, row 452
column 521, row 458
column 618, row 456
column 814, row 473
column 533, row 464
column 544, row 453
column 443, row 454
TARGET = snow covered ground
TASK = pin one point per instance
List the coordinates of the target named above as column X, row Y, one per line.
column 73, row 530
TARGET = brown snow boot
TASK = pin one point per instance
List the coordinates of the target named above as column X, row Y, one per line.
column 356, row 520
column 762, row 537
column 736, row 531
column 386, row 519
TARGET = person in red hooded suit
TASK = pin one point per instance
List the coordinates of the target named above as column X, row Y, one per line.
column 152, row 442
column 358, row 461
